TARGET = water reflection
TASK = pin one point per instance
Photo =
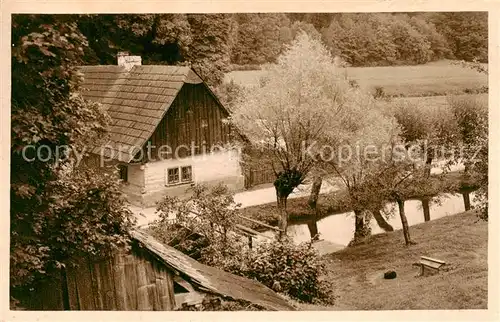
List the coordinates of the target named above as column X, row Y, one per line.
column 339, row 228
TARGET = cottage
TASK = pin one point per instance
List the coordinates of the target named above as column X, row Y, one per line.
column 149, row 277
column 168, row 129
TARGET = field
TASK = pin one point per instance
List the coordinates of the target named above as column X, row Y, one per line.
column 357, row 272
column 435, row 101
column 432, row 79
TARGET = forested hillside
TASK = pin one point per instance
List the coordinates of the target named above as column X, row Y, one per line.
column 216, row 43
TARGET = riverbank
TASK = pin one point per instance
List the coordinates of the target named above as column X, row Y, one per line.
column 357, row 272
column 334, row 203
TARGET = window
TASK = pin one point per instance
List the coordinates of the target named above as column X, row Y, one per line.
column 173, row 176
column 123, row 172
column 187, row 174
column 179, row 175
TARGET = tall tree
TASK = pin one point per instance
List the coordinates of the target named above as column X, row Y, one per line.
column 396, row 179
column 412, row 46
column 55, row 216
column 204, row 40
column 471, row 113
column 359, row 144
column 466, row 32
column 432, row 130
column 439, row 44
column 302, row 97
column 210, row 50
column 361, row 39
column 260, row 37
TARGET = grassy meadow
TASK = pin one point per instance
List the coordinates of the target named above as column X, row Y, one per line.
column 432, row 79
column 357, row 272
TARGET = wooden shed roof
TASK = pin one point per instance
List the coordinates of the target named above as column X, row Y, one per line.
column 213, row 279
column 136, row 100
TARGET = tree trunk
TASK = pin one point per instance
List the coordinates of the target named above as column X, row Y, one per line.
column 426, row 208
column 428, row 165
column 313, row 228
column 466, row 167
column 382, row 223
column 283, row 215
column 313, row 197
column 360, row 230
column 312, row 224
column 466, row 196
column 425, row 201
column 404, row 221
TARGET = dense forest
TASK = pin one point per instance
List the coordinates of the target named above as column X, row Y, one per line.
column 215, row 43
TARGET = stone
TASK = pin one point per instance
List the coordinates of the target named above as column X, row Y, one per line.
column 390, row 275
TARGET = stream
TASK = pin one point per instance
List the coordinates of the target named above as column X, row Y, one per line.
column 339, row 228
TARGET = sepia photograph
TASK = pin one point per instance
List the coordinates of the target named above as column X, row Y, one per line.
column 249, row 161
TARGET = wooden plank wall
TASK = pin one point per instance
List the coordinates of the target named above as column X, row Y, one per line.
column 184, row 122
column 254, row 177
column 47, row 296
column 126, row 282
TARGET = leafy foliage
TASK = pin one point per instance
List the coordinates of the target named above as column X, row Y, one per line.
column 260, row 37
column 359, row 144
column 374, row 39
column 210, row 51
column 465, row 32
column 228, row 93
column 471, row 114
column 203, row 40
column 211, row 215
column 434, row 130
column 411, row 45
column 302, row 97
column 55, row 215
column 292, row 269
column 206, row 219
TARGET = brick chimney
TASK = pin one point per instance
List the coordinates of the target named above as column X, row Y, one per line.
column 127, row 61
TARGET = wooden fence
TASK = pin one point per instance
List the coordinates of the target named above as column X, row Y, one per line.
column 254, row 177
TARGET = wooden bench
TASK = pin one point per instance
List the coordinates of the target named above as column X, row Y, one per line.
column 429, row 263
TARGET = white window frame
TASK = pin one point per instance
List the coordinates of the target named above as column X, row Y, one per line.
column 190, row 172
column 179, row 180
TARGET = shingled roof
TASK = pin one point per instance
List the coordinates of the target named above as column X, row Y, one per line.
column 135, row 99
column 212, row 279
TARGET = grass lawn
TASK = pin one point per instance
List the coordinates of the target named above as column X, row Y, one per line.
column 436, row 78
column 459, row 240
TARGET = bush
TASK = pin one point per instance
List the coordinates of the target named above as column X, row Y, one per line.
column 236, row 67
column 204, row 223
column 379, row 92
column 211, row 238
column 354, row 83
column 287, row 268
